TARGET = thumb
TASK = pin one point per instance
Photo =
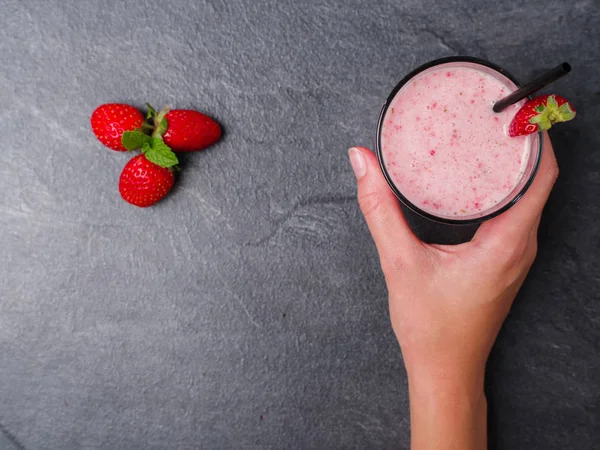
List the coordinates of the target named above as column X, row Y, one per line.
column 392, row 235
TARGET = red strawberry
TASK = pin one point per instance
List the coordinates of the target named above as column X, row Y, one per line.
column 143, row 183
column 109, row 121
column 188, row 130
column 540, row 114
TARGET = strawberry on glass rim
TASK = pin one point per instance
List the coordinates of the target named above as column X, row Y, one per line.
column 540, row 114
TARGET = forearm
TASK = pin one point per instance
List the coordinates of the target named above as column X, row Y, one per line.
column 447, row 412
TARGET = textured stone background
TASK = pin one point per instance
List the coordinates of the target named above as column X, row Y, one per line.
column 248, row 310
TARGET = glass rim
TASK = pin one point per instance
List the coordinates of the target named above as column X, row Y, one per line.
column 396, row 191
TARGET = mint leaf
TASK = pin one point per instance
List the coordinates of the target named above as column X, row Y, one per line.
column 151, row 111
column 132, row 140
column 160, row 153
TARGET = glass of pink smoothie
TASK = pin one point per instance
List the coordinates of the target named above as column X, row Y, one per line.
column 444, row 152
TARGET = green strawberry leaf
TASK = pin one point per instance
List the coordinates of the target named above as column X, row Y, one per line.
column 542, row 121
column 537, row 119
column 566, row 112
column 544, row 125
column 160, row 153
column 551, row 102
column 132, row 140
column 151, row 111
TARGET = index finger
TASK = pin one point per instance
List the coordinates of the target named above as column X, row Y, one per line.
column 521, row 218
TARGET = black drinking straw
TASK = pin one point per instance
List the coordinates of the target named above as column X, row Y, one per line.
column 549, row 77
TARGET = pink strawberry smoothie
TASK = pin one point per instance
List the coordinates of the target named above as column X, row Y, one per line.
column 444, row 148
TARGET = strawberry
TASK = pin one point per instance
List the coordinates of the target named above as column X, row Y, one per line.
column 144, row 183
column 189, row 130
column 109, row 121
column 540, row 114
column 148, row 177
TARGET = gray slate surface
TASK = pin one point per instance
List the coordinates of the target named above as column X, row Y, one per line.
column 248, row 310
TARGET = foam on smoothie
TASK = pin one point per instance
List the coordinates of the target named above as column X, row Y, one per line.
column 445, row 149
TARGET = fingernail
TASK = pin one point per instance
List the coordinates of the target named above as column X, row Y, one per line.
column 357, row 160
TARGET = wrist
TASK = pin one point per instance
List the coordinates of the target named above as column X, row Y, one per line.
column 448, row 409
column 461, row 381
column 448, row 370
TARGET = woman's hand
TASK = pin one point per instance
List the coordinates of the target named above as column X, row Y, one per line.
column 447, row 303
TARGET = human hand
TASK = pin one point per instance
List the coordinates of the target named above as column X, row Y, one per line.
column 447, row 303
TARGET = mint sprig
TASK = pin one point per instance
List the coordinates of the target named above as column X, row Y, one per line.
column 151, row 111
column 161, row 127
column 153, row 147
column 132, row 140
column 157, row 119
column 159, row 153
